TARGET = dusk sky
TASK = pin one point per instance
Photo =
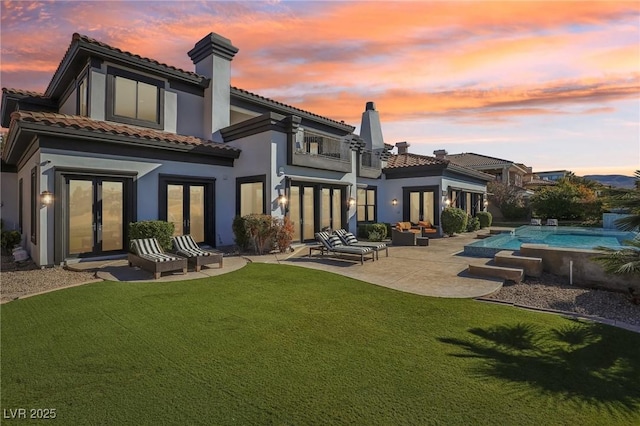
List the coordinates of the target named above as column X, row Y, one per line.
column 553, row 85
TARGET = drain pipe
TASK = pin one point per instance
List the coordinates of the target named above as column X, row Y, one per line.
column 571, row 272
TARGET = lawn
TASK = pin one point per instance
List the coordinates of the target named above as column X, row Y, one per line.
column 273, row 344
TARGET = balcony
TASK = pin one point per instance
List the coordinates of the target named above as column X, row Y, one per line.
column 321, row 152
column 370, row 165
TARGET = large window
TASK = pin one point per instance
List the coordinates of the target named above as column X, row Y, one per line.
column 34, row 206
column 366, row 204
column 134, row 99
column 250, row 197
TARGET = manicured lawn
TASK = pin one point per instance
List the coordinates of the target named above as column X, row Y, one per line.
column 273, row 344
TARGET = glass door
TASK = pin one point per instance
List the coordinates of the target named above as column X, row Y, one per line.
column 95, row 215
column 186, row 209
column 313, row 207
column 421, row 206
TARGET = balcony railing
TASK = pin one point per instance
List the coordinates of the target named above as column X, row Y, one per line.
column 370, row 164
column 320, row 151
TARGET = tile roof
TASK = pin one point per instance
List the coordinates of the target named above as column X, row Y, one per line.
column 255, row 96
column 92, row 41
column 412, row 160
column 105, row 127
column 469, row 159
column 24, row 93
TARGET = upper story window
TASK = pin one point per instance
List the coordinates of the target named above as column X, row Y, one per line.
column 83, row 97
column 134, row 99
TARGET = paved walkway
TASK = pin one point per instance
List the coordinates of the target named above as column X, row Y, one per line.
column 436, row 270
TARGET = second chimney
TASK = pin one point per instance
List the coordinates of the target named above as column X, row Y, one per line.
column 440, row 153
column 403, row 147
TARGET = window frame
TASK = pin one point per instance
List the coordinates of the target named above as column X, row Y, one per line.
column 84, row 79
column 367, row 204
column 20, row 201
column 112, row 73
column 251, row 179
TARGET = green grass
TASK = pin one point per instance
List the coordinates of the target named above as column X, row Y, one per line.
column 272, row 344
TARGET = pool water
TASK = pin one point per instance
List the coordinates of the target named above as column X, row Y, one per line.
column 555, row 236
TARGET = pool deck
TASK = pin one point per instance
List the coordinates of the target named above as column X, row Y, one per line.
column 436, row 270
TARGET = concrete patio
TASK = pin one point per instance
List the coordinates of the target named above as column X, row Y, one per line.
column 436, row 270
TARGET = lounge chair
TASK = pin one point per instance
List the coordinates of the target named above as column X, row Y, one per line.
column 348, row 239
column 149, row 256
column 332, row 244
column 536, row 222
column 552, row 222
column 186, row 246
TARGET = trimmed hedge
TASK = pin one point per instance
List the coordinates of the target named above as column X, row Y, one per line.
column 158, row 229
column 373, row 231
column 485, row 219
column 453, row 220
column 242, row 237
column 473, row 224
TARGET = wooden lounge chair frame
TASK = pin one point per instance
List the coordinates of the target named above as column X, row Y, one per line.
column 150, row 257
column 332, row 244
column 350, row 240
column 186, row 246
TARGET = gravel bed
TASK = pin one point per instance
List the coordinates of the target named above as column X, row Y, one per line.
column 551, row 292
column 24, row 278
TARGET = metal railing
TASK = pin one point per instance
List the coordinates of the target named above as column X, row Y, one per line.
column 323, row 146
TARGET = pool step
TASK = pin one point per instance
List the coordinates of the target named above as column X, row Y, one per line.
column 511, row 274
column 532, row 266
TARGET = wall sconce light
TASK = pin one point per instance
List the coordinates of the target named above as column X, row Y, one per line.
column 394, row 202
column 486, row 203
column 46, row 198
column 352, row 201
column 282, row 200
column 447, row 202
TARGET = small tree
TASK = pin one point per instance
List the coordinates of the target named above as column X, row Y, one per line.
column 283, row 233
column 568, row 200
column 454, row 220
column 261, row 230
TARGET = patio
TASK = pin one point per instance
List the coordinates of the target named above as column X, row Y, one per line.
column 435, row 270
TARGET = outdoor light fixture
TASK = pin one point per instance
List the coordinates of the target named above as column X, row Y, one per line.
column 282, row 200
column 352, row 201
column 394, row 202
column 46, row 198
column 447, row 202
column 486, row 203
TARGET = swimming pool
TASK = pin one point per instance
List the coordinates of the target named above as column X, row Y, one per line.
column 555, row 236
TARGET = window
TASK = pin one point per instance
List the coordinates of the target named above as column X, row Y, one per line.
column 83, row 100
column 34, row 206
column 366, row 204
column 250, row 197
column 134, row 99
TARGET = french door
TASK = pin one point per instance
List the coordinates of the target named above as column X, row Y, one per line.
column 421, row 204
column 313, row 207
column 96, row 215
column 188, row 203
column 185, row 209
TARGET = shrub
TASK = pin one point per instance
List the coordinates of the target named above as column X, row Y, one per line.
column 375, row 236
column 473, row 224
column 453, row 220
column 261, row 231
column 380, row 230
column 158, row 229
column 377, row 228
column 9, row 239
column 284, row 233
column 514, row 211
column 240, row 233
column 485, row 219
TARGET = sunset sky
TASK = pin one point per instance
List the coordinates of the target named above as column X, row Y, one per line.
column 553, row 85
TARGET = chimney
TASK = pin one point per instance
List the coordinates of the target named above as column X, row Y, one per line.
column 403, row 147
column 440, row 153
column 370, row 128
column 212, row 57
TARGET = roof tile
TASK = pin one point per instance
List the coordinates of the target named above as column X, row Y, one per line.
column 84, row 123
column 412, row 160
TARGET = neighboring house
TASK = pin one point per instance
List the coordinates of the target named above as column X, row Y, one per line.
column 117, row 138
column 553, row 175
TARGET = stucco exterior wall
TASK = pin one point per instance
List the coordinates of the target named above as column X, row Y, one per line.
column 586, row 272
column 190, row 117
column 70, row 105
column 9, row 201
column 393, row 188
column 97, row 95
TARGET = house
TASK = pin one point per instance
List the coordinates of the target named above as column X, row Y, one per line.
column 118, row 138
